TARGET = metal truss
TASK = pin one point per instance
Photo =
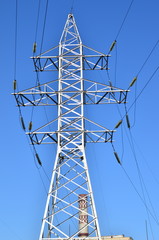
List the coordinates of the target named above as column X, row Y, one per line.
column 94, row 93
column 70, row 177
column 71, row 132
column 48, row 61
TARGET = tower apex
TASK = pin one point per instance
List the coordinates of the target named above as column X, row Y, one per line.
column 70, row 15
column 70, row 33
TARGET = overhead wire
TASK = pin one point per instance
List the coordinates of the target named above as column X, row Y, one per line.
column 117, row 35
column 134, row 80
column 137, row 97
column 15, row 84
column 149, row 55
column 34, row 152
column 147, row 164
column 147, row 236
column 36, row 28
column 151, row 77
column 43, row 32
column 142, row 200
column 135, row 107
column 121, row 26
column 35, row 49
column 116, row 61
column 44, row 25
column 142, row 184
column 72, row 6
column 9, row 227
column 46, row 191
column 122, row 135
column 15, row 46
column 140, row 175
column 93, row 152
column 125, row 17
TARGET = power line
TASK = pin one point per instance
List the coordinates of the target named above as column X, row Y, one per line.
column 142, row 200
column 147, row 164
column 142, row 184
column 44, row 24
column 137, row 97
column 71, row 11
column 143, row 88
column 15, row 47
column 36, row 29
column 11, row 230
column 144, row 63
column 121, row 26
column 152, row 50
column 37, row 21
column 124, row 19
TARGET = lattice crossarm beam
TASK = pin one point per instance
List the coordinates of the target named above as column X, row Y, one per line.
column 93, row 136
column 46, row 64
column 45, row 99
column 100, row 134
column 90, row 97
column 104, row 97
column 52, row 63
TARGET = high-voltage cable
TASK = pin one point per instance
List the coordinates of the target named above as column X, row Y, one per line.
column 125, row 17
column 44, row 24
column 36, row 28
column 120, row 28
column 146, row 84
column 15, row 47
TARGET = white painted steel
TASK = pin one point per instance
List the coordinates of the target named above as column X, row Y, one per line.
column 70, row 175
column 70, row 92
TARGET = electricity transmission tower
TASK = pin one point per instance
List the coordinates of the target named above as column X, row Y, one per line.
column 70, row 208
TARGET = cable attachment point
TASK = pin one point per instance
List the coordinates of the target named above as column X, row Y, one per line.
column 30, row 126
column 118, row 124
column 112, row 46
column 15, row 84
column 38, row 159
column 127, row 120
column 22, row 123
column 133, row 81
column 34, row 47
column 117, row 157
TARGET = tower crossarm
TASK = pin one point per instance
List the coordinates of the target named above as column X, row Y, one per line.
column 71, row 133
column 47, row 94
column 91, row 59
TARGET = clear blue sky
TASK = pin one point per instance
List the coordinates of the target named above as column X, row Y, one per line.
column 120, row 209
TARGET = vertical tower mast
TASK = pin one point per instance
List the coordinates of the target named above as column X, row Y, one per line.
column 70, row 175
column 70, row 209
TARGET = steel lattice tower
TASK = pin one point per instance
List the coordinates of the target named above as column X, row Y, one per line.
column 70, row 182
